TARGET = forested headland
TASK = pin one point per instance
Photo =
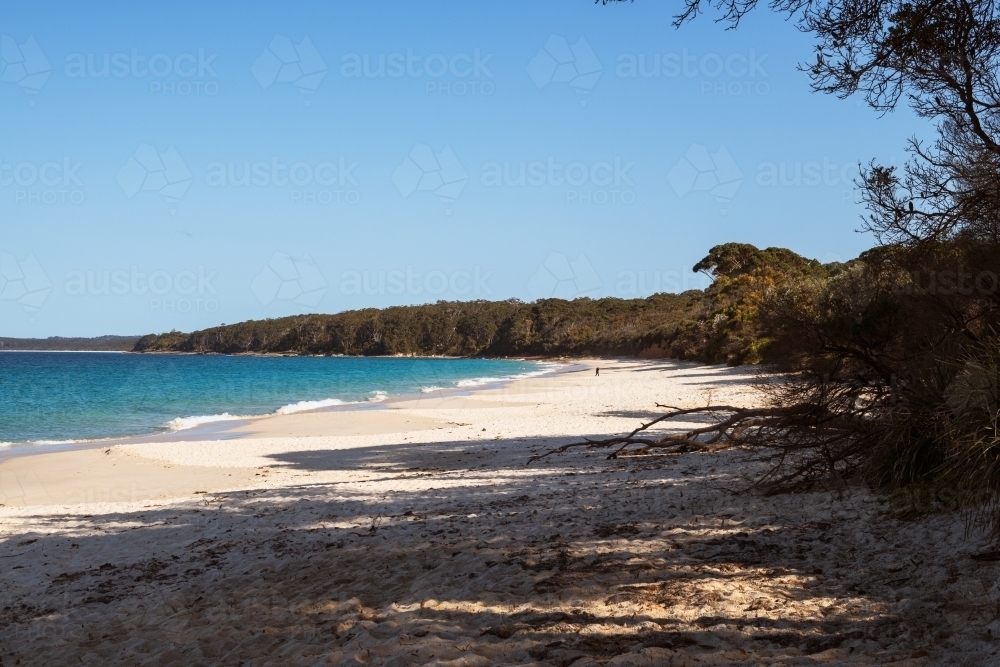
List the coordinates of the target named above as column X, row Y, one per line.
column 717, row 325
column 68, row 344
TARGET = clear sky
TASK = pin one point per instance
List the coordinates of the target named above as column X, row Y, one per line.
column 180, row 165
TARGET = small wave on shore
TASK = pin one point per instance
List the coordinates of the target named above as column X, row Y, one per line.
column 480, row 381
column 303, row 406
column 184, row 423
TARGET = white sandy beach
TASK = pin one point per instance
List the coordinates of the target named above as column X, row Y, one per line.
column 416, row 534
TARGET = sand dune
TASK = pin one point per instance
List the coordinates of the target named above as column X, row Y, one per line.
column 416, row 534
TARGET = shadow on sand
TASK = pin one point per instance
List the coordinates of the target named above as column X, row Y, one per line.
column 476, row 558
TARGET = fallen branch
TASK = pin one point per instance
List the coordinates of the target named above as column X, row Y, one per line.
column 801, row 443
column 689, row 439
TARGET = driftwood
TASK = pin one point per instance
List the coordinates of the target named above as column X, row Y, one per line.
column 717, row 430
column 801, row 442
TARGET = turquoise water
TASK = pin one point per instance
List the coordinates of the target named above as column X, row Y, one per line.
column 58, row 396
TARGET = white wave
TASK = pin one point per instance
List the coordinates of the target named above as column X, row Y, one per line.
column 4, row 445
column 302, row 406
column 54, row 442
column 532, row 374
column 183, row 423
column 548, row 368
column 476, row 382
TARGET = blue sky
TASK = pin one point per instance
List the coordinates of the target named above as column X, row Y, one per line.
column 181, row 165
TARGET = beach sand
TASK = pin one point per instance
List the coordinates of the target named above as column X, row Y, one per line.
column 416, row 534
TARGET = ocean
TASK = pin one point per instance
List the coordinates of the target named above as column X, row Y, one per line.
column 58, row 397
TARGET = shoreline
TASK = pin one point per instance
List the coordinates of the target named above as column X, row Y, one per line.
column 541, row 358
column 163, row 465
column 228, row 428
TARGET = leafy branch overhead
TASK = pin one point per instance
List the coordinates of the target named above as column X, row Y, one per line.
column 893, row 359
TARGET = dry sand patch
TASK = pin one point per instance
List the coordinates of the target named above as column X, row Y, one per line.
column 105, row 476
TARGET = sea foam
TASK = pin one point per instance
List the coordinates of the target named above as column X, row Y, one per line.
column 303, row 406
column 183, row 423
column 478, row 382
